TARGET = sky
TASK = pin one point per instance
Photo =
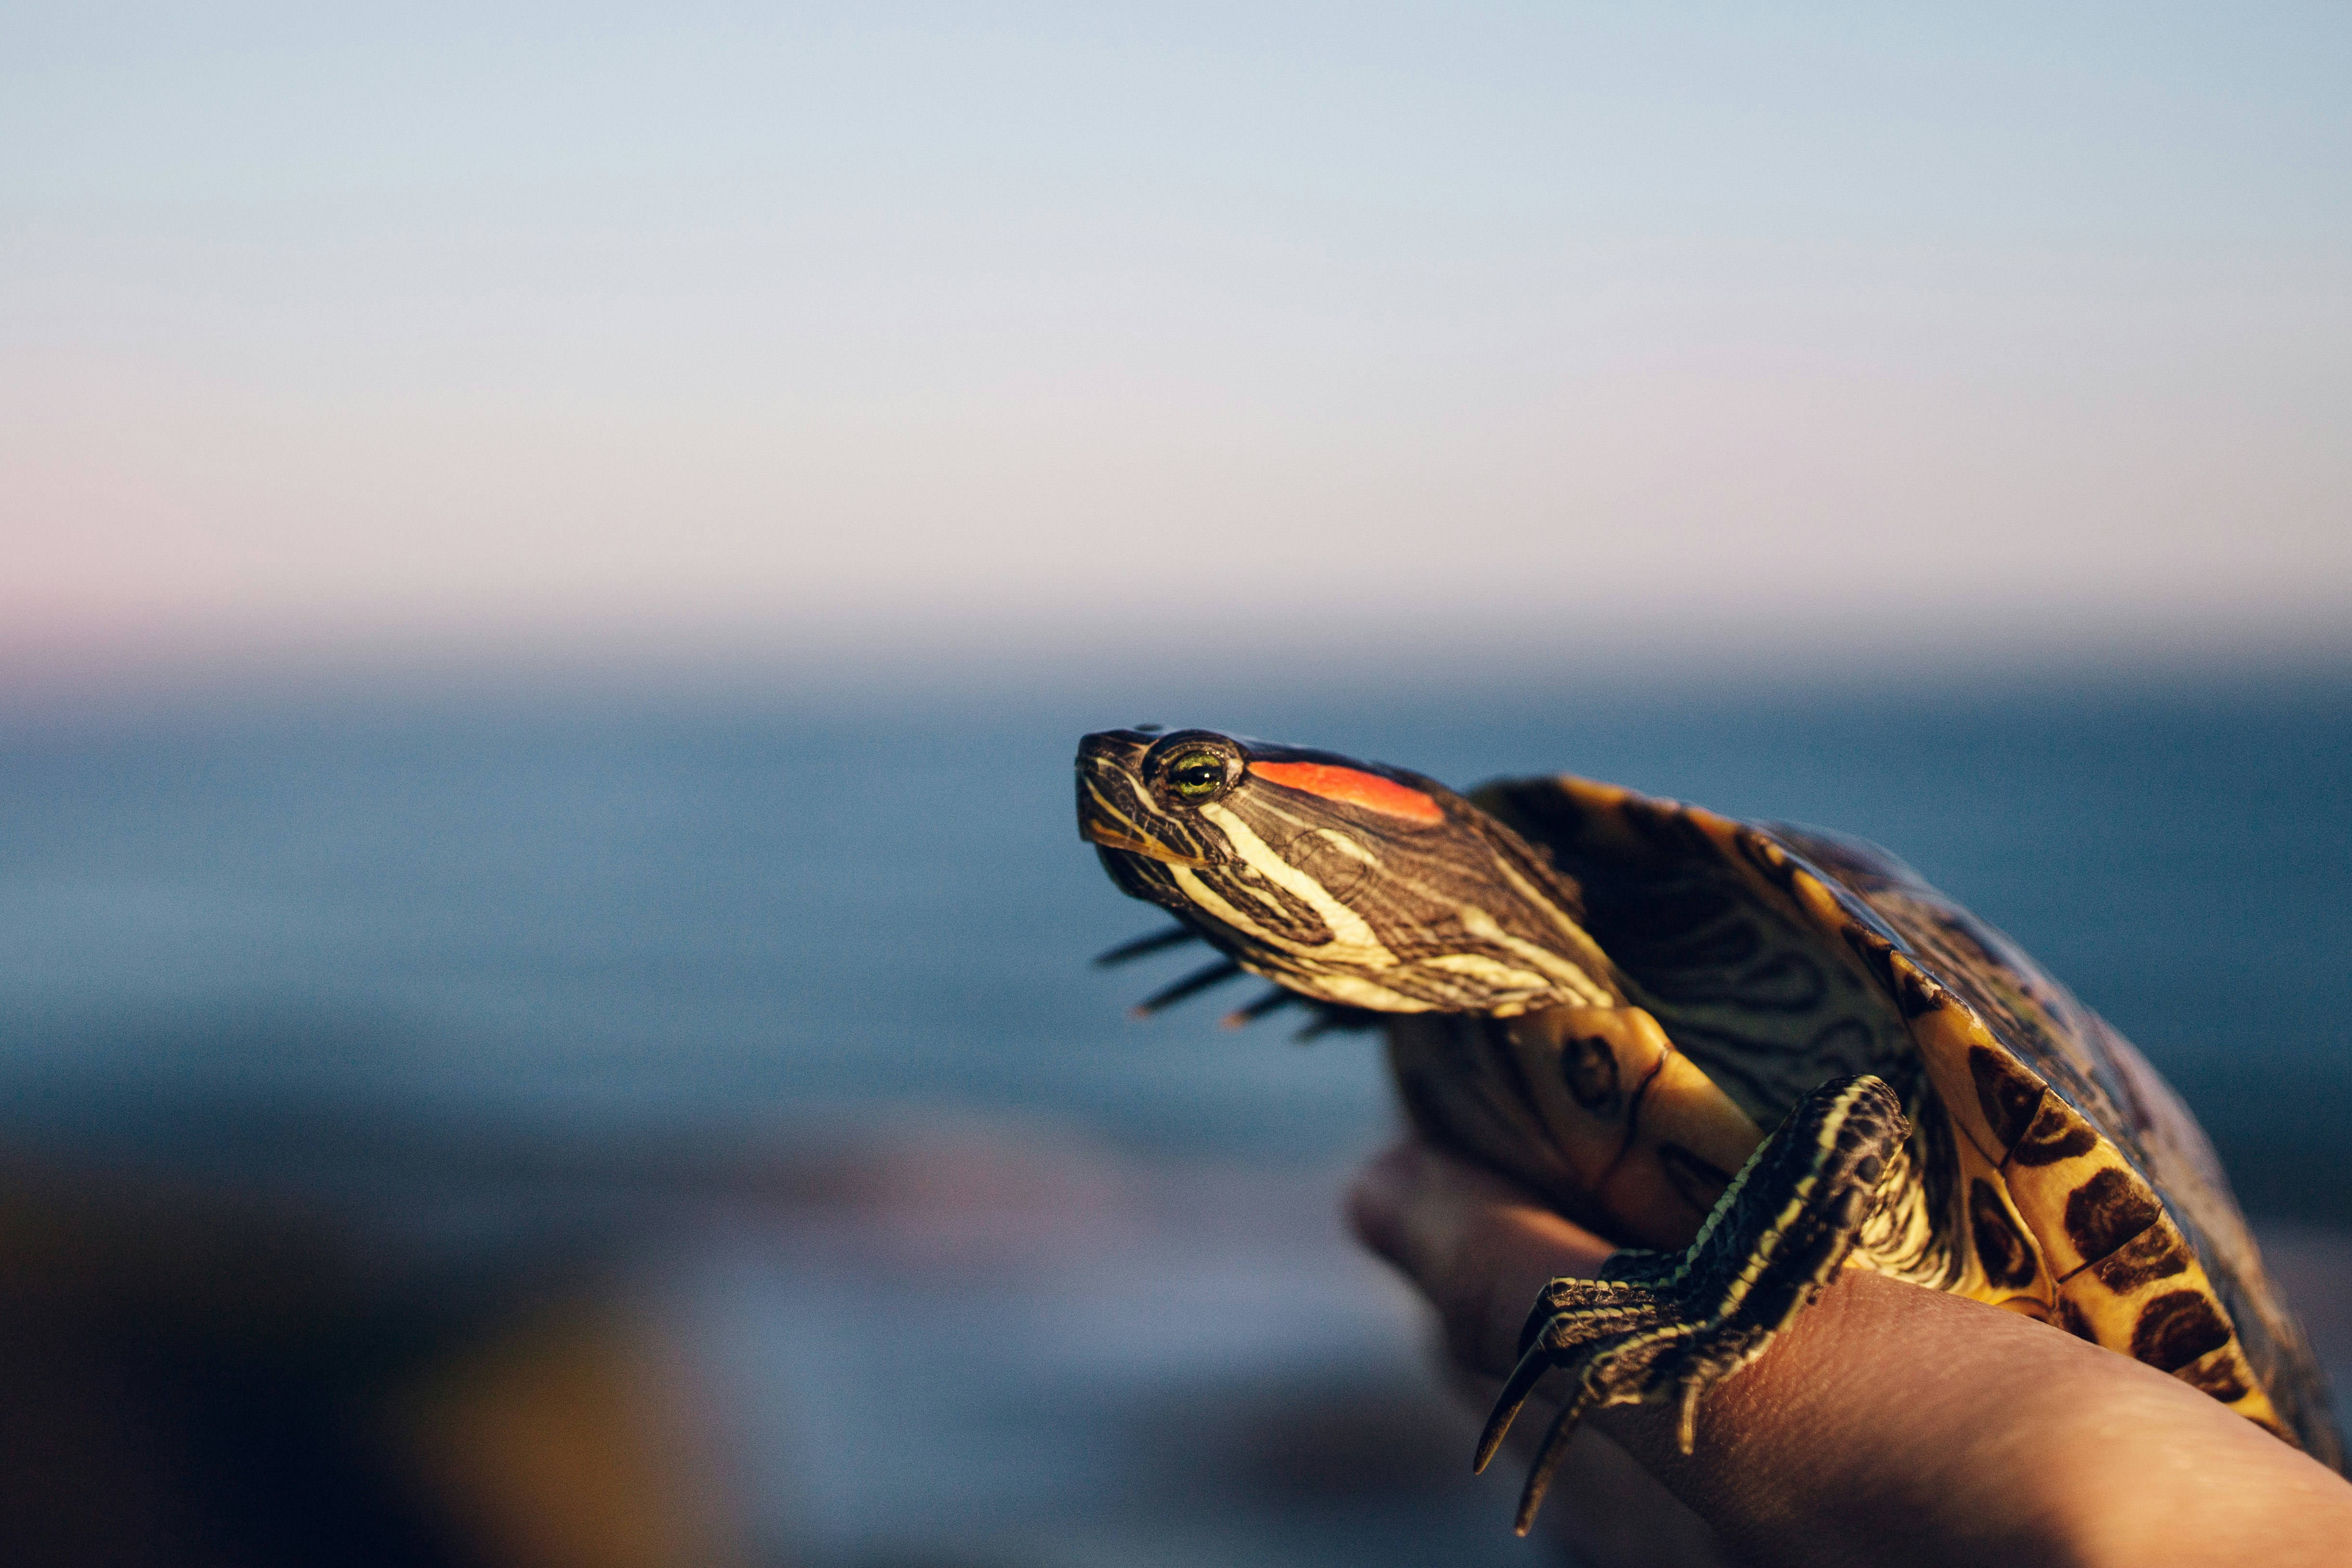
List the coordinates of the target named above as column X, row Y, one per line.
column 777, row 333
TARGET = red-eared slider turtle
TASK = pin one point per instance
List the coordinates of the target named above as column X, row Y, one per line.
column 1611, row 997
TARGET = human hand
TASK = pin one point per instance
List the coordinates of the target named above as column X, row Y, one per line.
column 1890, row 1423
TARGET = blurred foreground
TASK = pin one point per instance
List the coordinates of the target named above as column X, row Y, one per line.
column 580, row 1133
column 939, row 1345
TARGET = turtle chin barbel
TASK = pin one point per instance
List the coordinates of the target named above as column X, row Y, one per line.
column 1611, row 998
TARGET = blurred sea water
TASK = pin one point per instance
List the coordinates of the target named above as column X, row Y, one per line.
column 491, row 973
column 226, row 927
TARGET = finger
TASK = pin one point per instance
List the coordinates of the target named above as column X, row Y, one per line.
column 1478, row 1246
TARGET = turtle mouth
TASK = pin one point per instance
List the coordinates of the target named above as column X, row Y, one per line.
column 1102, row 821
column 1115, row 810
column 1113, row 839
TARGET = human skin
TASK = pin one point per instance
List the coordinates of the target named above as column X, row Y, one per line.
column 1890, row 1424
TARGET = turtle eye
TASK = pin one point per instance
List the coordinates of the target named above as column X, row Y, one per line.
column 1197, row 775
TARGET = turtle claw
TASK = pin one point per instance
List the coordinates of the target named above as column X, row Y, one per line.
column 1515, row 1389
column 1272, row 1001
column 1662, row 1327
column 1687, row 1432
column 1157, row 941
column 1547, row 1458
column 1199, row 980
column 1332, row 1018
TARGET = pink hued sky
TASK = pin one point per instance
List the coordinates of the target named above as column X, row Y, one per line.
column 732, row 334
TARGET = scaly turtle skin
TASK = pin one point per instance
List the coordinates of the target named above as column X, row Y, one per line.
column 1610, row 998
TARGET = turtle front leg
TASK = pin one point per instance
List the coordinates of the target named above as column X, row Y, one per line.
column 1663, row 1327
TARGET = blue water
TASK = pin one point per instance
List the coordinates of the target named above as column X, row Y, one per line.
column 722, row 915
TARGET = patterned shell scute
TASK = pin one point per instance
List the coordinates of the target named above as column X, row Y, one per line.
column 2076, row 1186
column 2034, row 1015
column 2093, row 1070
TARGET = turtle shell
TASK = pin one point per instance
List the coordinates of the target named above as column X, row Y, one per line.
column 2057, row 1174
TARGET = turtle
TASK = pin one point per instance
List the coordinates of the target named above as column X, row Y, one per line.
column 1750, row 1054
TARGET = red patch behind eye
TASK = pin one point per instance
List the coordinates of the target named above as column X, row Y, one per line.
column 1354, row 786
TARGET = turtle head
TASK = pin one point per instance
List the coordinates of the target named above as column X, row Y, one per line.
column 1354, row 884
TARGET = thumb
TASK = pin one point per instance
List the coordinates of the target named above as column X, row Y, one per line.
column 1477, row 1245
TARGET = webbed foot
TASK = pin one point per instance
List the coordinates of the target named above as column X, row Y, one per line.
column 1662, row 1328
